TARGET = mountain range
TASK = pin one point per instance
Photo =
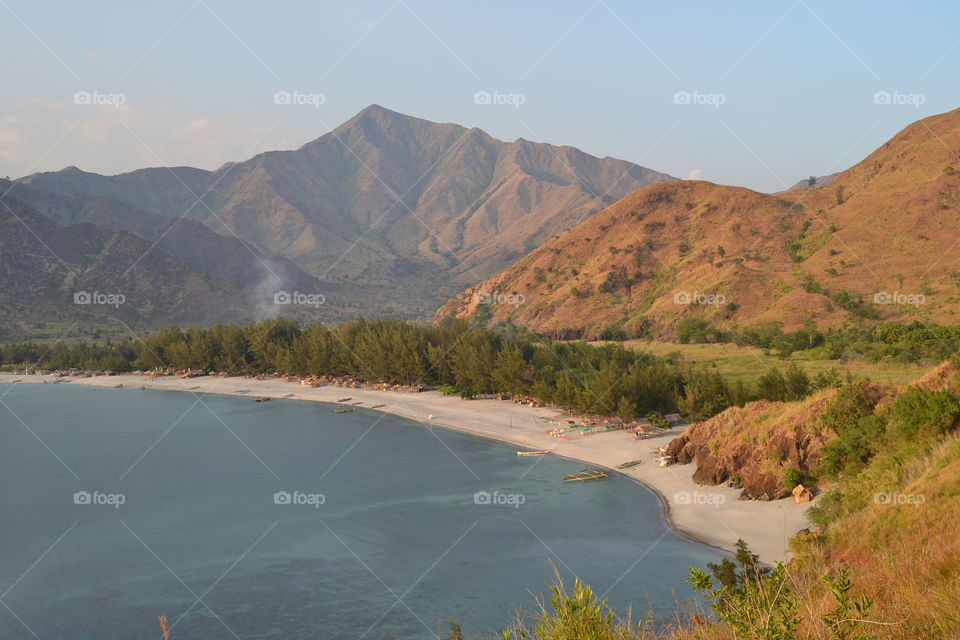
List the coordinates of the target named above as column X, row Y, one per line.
column 878, row 242
column 385, row 215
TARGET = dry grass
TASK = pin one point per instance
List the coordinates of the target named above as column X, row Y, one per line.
column 907, row 556
column 733, row 361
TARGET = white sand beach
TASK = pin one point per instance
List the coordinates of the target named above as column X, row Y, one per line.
column 712, row 515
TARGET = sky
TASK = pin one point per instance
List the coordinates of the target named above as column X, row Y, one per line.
column 756, row 94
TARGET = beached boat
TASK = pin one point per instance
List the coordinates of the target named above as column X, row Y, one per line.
column 262, row 399
column 377, row 406
column 344, row 410
column 627, row 465
column 533, row 453
column 586, row 474
column 344, row 399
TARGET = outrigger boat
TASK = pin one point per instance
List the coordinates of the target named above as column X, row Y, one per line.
column 262, row 399
column 533, row 453
column 586, row 474
column 344, row 410
column 627, row 465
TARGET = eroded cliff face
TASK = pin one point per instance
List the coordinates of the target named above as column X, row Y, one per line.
column 754, row 446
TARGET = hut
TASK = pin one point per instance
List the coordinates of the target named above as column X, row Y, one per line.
column 673, row 419
column 802, row 494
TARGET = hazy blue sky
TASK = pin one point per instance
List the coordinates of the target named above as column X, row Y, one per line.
column 785, row 89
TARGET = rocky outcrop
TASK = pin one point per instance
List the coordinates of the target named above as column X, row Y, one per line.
column 754, row 446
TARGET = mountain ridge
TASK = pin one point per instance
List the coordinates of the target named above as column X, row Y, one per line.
column 382, row 198
column 662, row 255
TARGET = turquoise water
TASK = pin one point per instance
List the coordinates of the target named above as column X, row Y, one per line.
column 398, row 545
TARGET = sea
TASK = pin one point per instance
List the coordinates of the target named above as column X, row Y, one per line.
column 282, row 519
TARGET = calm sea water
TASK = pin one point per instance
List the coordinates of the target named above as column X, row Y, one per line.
column 398, row 545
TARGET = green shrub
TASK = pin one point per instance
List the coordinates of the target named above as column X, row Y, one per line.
column 792, row 478
column 851, row 403
column 828, row 507
column 855, row 445
column 575, row 615
column 920, row 413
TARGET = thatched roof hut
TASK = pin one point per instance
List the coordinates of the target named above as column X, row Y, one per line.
column 802, row 494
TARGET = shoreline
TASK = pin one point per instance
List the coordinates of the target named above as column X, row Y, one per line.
column 708, row 515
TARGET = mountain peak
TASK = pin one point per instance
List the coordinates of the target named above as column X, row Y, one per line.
column 380, row 115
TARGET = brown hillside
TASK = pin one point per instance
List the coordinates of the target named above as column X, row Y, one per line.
column 635, row 264
column 882, row 231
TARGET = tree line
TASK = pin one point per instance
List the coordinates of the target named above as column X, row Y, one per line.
column 604, row 379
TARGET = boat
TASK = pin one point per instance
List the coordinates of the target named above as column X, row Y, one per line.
column 262, row 399
column 344, row 399
column 586, row 474
column 627, row 465
column 343, row 410
column 377, row 406
column 533, row 453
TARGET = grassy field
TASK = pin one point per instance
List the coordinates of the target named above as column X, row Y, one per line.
column 749, row 362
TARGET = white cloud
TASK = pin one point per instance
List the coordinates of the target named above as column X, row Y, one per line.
column 110, row 139
column 694, row 174
column 10, row 140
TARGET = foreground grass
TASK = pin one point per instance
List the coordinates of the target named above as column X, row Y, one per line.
column 733, row 361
